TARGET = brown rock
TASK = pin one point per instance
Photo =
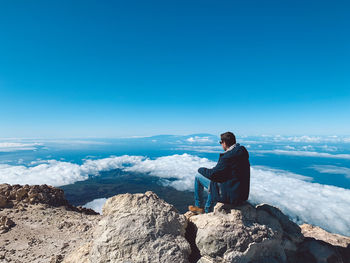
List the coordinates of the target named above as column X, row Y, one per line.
column 136, row 228
column 3, row 201
column 312, row 250
column 6, row 224
column 21, row 193
column 56, row 259
column 321, row 234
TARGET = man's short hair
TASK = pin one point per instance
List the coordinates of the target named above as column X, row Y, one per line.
column 229, row 138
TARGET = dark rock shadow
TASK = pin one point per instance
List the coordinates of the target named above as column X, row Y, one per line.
column 190, row 235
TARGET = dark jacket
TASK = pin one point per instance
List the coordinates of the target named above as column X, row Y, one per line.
column 230, row 178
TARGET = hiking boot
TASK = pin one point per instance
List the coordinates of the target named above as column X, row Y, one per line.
column 195, row 209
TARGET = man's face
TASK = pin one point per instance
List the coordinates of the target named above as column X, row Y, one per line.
column 223, row 144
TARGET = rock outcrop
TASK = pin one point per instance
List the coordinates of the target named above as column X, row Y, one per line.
column 245, row 234
column 5, row 224
column 321, row 234
column 255, row 234
column 37, row 224
column 42, row 226
column 136, row 228
column 18, row 196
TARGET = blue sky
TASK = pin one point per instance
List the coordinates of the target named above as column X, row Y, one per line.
column 124, row 68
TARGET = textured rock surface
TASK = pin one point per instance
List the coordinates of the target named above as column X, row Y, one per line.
column 312, row 250
column 37, row 224
column 144, row 228
column 321, row 234
column 43, row 233
column 245, row 234
column 13, row 195
column 255, row 234
column 136, row 228
column 19, row 195
column 5, row 224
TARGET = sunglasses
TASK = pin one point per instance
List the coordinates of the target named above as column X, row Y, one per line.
column 220, row 142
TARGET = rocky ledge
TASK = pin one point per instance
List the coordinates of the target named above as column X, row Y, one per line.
column 144, row 228
column 19, row 196
column 37, row 224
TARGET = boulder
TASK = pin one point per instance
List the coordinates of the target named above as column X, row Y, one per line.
column 321, row 234
column 317, row 251
column 322, row 246
column 248, row 234
column 144, row 228
column 20, row 195
column 245, row 234
column 6, row 224
column 136, row 228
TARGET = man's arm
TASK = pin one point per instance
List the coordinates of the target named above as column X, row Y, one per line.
column 217, row 173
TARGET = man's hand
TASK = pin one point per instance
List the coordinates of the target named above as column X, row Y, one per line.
column 217, row 173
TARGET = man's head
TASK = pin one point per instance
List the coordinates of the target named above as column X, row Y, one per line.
column 227, row 139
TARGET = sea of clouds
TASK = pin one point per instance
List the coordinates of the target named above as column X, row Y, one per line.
column 296, row 195
column 96, row 204
column 18, row 146
column 304, row 153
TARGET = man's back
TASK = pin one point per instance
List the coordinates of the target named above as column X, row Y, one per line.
column 242, row 170
column 230, row 178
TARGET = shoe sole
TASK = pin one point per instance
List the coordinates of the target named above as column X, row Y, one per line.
column 197, row 212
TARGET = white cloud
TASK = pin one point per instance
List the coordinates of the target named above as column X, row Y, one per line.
column 307, row 148
column 182, row 167
column 59, row 173
column 136, row 136
column 323, row 205
column 333, row 139
column 302, row 138
column 332, row 169
column 304, row 201
column 305, row 138
column 251, row 141
column 52, row 172
column 304, row 153
column 288, row 147
column 283, row 173
column 15, row 146
column 29, row 145
column 96, row 204
column 202, row 148
column 199, row 139
column 329, row 148
column 78, row 142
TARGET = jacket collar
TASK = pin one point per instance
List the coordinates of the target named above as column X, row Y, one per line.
column 230, row 148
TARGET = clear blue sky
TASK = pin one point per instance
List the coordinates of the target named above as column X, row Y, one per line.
column 119, row 68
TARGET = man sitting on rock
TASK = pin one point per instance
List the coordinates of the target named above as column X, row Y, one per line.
column 227, row 182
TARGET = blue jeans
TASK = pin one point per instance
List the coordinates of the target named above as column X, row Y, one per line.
column 199, row 183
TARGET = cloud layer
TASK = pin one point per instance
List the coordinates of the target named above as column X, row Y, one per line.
column 304, row 201
column 305, row 154
column 16, row 146
column 323, row 205
column 332, row 169
column 59, row 173
column 96, row 204
column 306, row 139
column 199, row 139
